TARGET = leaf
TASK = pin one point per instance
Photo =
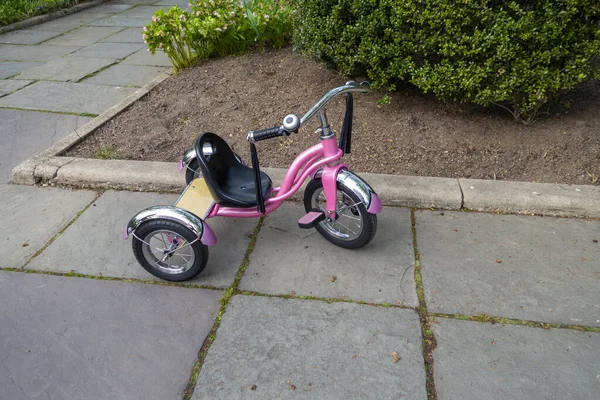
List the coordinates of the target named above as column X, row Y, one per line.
column 395, row 357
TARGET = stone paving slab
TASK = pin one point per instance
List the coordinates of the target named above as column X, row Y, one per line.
column 108, row 50
column 136, row 2
column 67, row 68
column 111, row 8
column 27, row 36
column 180, row 3
column 26, row 133
column 94, row 244
column 129, row 35
column 73, row 21
column 142, row 12
column 117, row 20
column 326, row 351
column 126, row 75
column 30, row 218
column 533, row 268
column 84, row 36
column 9, row 86
column 66, row 97
column 42, row 52
column 142, row 57
column 482, row 361
column 9, row 68
column 288, row 260
column 72, row 338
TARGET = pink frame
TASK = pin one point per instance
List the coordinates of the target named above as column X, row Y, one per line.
column 307, row 164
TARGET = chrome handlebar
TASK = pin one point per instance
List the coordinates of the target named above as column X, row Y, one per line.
column 350, row 86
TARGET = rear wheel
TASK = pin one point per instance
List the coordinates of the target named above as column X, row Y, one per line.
column 169, row 250
column 353, row 227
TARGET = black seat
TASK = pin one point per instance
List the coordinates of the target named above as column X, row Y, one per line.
column 230, row 182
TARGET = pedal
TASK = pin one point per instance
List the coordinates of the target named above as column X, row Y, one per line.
column 311, row 219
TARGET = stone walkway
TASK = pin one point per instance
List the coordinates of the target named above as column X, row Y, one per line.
column 441, row 305
column 56, row 76
column 507, row 307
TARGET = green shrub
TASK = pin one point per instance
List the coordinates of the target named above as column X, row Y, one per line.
column 217, row 27
column 16, row 10
column 516, row 54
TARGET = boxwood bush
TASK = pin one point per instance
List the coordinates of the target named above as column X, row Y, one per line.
column 517, row 54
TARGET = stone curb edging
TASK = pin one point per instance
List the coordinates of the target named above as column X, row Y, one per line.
column 46, row 164
column 409, row 191
column 40, row 19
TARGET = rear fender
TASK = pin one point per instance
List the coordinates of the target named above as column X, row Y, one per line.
column 199, row 227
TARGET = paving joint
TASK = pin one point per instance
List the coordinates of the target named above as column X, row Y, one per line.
column 112, row 278
column 224, row 301
column 328, row 300
column 462, row 195
column 484, row 318
column 61, row 231
column 428, row 339
column 118, row 60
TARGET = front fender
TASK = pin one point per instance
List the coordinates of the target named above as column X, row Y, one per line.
column 172, row 213
column 362, row 189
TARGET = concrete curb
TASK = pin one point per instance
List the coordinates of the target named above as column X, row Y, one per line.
column 408, row 191
column 40, row 19
column 41, row 165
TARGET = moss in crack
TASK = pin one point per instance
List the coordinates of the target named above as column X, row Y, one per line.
column 73, row 274
column 328, row 300
column 428, row 338
column 224, row 301
column 509, row 321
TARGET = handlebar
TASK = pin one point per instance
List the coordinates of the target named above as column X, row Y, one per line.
column 288, row 127
column 350, row 86
column 263, row 134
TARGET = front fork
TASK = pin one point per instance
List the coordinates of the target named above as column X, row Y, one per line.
column 331, row 175
column 329, row 181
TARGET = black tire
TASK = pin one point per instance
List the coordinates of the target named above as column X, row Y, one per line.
column 192, row 171
column 368, row 221
column 147, row 258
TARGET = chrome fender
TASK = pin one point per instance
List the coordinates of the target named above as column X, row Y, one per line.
column 187, row 158
column 363, row 191
column 172, row 213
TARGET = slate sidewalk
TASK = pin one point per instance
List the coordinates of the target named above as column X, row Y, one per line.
column 56, row 76
column 446, row 305
column 500, row 306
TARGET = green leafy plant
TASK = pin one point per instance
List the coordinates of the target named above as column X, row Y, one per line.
column 217, row 27
column 106, row 153
column 16, row 10
column 515, row 54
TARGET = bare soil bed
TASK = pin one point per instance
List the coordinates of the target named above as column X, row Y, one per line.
column 414, row 135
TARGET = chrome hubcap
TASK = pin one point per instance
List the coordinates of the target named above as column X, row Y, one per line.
column 168, row 251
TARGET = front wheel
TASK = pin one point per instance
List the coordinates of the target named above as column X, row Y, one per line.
column 169, row 250
column 354, row 226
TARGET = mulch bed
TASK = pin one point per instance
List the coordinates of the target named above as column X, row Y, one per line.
column 414, row 135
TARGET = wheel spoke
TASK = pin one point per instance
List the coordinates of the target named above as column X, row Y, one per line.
column 173, row 245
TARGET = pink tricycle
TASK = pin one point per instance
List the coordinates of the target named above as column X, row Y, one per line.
column 171, row 242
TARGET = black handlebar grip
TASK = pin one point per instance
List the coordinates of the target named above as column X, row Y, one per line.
column 262, row 134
